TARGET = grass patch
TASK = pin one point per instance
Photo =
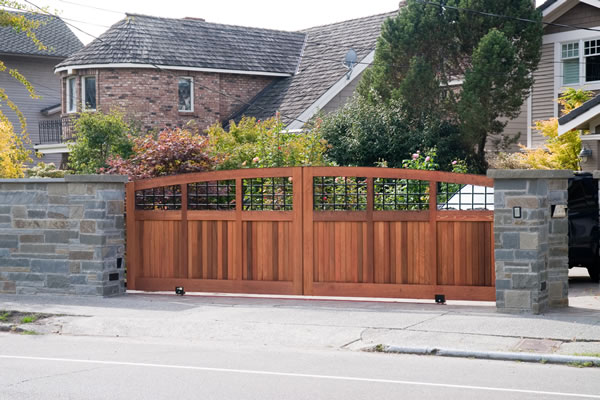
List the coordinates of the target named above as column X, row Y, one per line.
column 28, row 319
column 26, row 332
column 5, row 315
column 379, row 348
column 586, row 364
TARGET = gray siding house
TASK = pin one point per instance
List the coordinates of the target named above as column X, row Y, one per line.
column 18, row 52
column 570, row 58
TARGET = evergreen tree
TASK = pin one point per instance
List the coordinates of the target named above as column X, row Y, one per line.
column 436, row 47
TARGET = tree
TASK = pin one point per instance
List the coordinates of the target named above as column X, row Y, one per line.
column 263, row 144
column 13, row 154
column 365, row 133
column 99, row 137
column 436, row 47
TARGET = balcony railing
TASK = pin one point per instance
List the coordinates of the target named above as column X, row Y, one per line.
column 57, row 130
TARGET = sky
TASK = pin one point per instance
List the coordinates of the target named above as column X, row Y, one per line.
column 94, row 17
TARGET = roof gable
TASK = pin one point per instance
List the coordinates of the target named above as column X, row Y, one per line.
column 141, row 39
column 321, row 67
column 53, row 33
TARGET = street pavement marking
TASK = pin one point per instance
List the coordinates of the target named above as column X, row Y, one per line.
column 296, row 375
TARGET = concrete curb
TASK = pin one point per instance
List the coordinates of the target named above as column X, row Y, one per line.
column 489, row 355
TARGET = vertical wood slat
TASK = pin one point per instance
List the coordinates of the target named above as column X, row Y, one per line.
column 133, row 245
column 431, row 277
column 307, row 229
column 239, row 238
column 183, row 242
column 370, row 244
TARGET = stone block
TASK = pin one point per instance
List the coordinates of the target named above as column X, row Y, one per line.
column 558, row 184
column 58, row 199
column 14, row 262
column 518, row 299
column 60, row 236
column 97, row 240
column 528, row 241
column 111, row 194
column 93, row 214
column 57, row 281
column 537, row 187
column 74, row 267
column 77, row 188
column 9, row 241
column 526, row 255
column 503, row 284
column 115, row 207
column 525, row 281
column 94, row 205
column 92, row 266
column 31, row 238
column 58, row 212
column 523, row 202
column 81, row 255
column 510, row 240
column 37, row 248
column 76, row 212
column 87, row 226
column 510, row 184
column 5, row 219
column 504, row 255
column 78, row 279
column 50, row 266
column 5, row 210
column 36, row 213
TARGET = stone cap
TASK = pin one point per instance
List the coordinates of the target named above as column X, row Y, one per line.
column 596, row 174
column 72, row 178
column 529, row 173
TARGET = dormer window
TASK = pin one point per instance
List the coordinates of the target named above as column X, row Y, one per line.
column 88, row 93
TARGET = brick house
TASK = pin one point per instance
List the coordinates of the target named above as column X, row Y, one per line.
column 165, row 72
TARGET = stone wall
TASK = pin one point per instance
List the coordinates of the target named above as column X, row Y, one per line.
column 62, row 236
column 531, row 251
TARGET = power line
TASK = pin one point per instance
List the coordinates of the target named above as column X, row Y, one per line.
column 92, row 7
column 489, row 14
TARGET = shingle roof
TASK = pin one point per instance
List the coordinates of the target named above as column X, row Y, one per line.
column 53, row 33
column 142, row 39
column 320, row 68
column 579, row 110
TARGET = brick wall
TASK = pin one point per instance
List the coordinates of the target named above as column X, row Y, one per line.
column 62, row 236
column 150, row 96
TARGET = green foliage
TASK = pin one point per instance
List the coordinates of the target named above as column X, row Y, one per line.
column 99, row 137
column 43, row 170
column 263, row 144
column 363, row 133
column 13, row 154
column 172, row 152
column 426, row 48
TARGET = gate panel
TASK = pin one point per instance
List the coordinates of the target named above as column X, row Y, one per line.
column 373, row 232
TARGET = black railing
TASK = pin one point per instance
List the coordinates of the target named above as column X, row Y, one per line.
column 56, row 130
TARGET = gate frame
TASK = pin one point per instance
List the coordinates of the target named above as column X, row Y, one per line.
column 305, row 216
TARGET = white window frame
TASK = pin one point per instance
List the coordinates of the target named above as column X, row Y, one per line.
column 68, row 95
column 191, row 79
column 83, row 106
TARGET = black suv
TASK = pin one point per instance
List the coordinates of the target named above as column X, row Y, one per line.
column 583, row 224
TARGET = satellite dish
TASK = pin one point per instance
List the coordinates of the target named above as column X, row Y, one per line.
column 350, row 61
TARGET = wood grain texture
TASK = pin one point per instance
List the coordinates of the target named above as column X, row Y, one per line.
column 412, row 254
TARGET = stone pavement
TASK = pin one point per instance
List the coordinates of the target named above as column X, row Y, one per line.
column 317, row 323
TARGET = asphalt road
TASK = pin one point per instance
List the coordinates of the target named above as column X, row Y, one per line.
column 64, row 367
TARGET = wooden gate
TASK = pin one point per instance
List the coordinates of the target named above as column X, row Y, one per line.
column 328, row 231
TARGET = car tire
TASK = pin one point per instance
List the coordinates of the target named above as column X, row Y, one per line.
column 594, row 273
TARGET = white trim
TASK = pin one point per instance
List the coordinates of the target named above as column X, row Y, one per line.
column 55, row 148
column 169, row 67
column 570, row 36
column 68, row 95
column 191, row 93
column 578, row 121
column 83, row 78
column 556, row 10
column 590, row 137
column 529, row 121
column 52, row 111
column 557, row 72
column 332, row 92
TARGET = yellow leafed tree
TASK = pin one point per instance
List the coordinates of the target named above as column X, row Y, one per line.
column 13, row 154
column 560, row 152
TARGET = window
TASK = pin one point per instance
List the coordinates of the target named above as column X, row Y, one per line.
column 186, row 94
column 570, row 63
column 71, row 93
column 88, row 93
column 592, row 60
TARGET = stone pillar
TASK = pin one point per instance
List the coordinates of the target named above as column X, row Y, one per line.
column 63, row 236
column 531, row 252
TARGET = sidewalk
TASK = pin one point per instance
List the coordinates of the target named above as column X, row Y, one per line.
column 318, row 324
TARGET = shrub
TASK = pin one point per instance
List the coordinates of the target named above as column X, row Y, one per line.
column 13, row 154
column 172, row 152
column 362, row 133
column 99, row 137
column 263, row 144
column 43, row 170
